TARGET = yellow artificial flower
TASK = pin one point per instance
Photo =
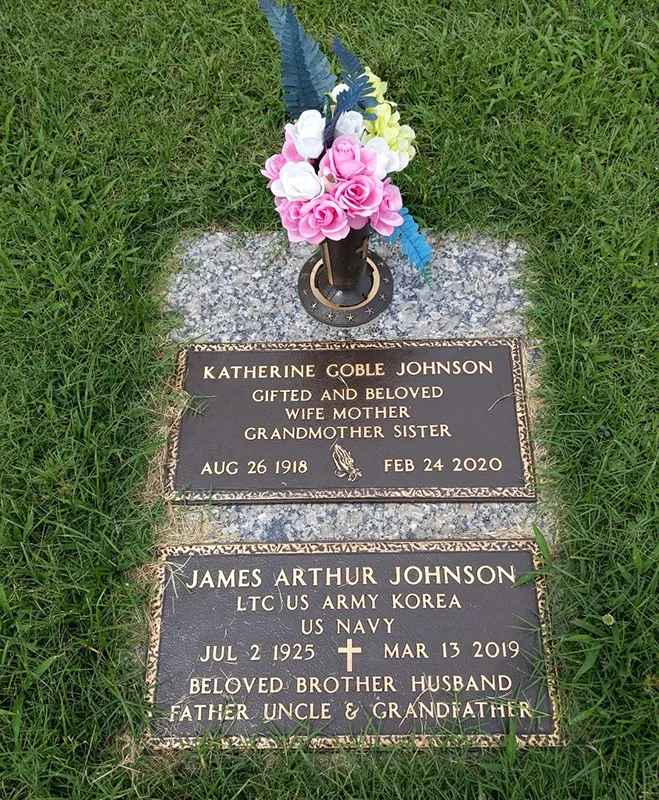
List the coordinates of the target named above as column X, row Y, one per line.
column 387, row 126
column 403, row 145
column 385, row 123
column 379, row 87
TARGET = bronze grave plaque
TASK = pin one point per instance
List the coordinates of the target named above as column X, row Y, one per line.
column 350, row 642
column 285, row 422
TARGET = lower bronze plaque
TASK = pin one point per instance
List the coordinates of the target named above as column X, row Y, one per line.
column 436, row 420
column 364, row 642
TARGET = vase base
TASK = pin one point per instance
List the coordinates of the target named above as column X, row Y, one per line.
column 345, row 308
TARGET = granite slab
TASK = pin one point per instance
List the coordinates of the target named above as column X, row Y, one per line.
column 231, row 287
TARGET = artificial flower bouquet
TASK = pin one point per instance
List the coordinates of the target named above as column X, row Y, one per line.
column 334, row 172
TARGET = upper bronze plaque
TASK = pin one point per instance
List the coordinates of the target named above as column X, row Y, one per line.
column 282, row 422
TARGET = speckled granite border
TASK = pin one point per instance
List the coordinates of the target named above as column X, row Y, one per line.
column 237, row 288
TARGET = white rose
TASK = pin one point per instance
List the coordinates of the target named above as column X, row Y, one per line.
column 340, row 87
column 388, row 159
column 350, row 123
column 307, row 133
column 298, row 181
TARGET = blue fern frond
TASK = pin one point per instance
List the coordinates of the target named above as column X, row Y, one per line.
column 300, row 92
column 348, row 100
column 305, row 71
column 413, row 242
column 353, row 72
column 349, row 62
column 275, row 14
column 345, row 101
column 328, row 133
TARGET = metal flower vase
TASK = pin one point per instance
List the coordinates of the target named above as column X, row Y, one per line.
column 346, row 284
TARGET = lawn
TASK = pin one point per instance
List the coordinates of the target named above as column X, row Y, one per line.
column 124, row 122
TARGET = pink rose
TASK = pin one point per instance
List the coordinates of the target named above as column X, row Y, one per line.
column 386, row 217
column 289, row 211
column 289, row 150
column 347, row 157
column 323, row 218
column 273, row 167
column 357, row 222
column 360, row 196
column 274, row 164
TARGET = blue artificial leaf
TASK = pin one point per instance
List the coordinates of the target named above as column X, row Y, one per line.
column 413, row 242
column 328, row 133
column 352, row 66
column 275, row 14
column 345, row 101
column 300, row 93
column 353, row 71
column 359, row 94
column 305, row 72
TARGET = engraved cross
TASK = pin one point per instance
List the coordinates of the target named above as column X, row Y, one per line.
column 349, row 650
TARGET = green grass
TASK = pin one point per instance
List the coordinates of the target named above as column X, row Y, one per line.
column 126, row 121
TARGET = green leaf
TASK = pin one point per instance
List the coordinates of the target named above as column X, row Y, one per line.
column 542, row 544
column 528, row 576
column 581, row 623
column 654, row 556
column 493, row 766
column 511, row 743
column 4, row 603
column 17, row 710
column 39, row 671
column 589, row 662
column 582, row 715
column 578, row 637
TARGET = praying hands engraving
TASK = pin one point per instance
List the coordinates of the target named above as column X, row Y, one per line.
column 345, row 464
